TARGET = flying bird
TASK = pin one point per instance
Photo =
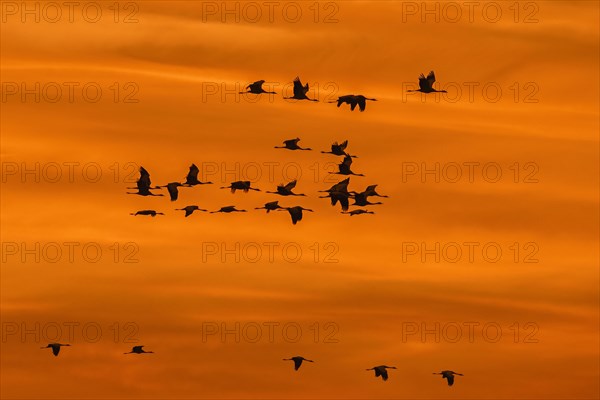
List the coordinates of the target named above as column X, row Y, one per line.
column 292, row 144
column 240, row 185
column 189, row 210
column 144, row 185
column 192, row 177
column 370, row 191
column 296, row 213
column 426, row 84
column 147, row 212
column 358, row 212
column 381, row 370
column 227, row 209
column 300, row 91
column 360, row 199
column 138, row 350
column 55, row 347
column 286, row 190
column 273, row 205
column 172, row 188
column 341, row 186
column 344, row 167
column 339, row 149
column 256, row 88
column 448, row 375
column 297, row 361
column 353, row 100
column 339, row 197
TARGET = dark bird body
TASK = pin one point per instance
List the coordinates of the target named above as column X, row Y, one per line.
column 353, row 100
column 344, row 167
column 138, row 350
column 292, row 144
column 358, row 212
column 55, row 347
column 297, row 361
column 152, row 213
column 227, row 210
column 192, row 177
column 189, row 210
column 240, row 185
column 256, row 88
column 286, row 190
column 300, row 91
column 448, row 375
column 381, row 370
column 339, row 149
column 144, row 185
column 296, row 213
column 426, row 84
column 271, row 206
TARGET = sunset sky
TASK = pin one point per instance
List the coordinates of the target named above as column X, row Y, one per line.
column 484, row 259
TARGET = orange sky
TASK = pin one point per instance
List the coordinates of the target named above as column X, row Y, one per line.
column 364, row 302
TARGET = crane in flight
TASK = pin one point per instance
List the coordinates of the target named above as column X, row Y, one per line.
column 297, row 361
column 370, row 191
column 138, row 350
column 292, row 144
column 426, row 84
column 344, row 167
column 192, row 177
column 360, row 199
column 256, row 88
column 296, row 213
column 341, row 197
column 227, row 210
column 381, row 370
column 341, row 186
column 55, row 347
column 144, row 185
column 271, row 206
column 189, row 210
column 172, row 189
column 240, row 185
column 300, row 91
column 286, row 190
column 448, row 375
column 152, row 213
column 339, row 149
column 353, row 100
column 358, row 212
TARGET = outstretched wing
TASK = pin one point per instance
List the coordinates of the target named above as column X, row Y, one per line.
column 423, row 83
column 144, row 182
column 137, row 348
column 297, row 363
column 431, row 78
column 55, row 349
column 384, row 374
column 192, row 175
column 256, row 86
column 343, row 145
column 173, row 192
column 450, row 379
column 362, row 103
column 298, row 88
column 290, row 185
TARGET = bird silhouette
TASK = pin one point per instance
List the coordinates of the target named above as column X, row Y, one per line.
column 297, row 361
column 189, row 210
column 381, row 370
column 55, row 347
column 358, row 212
column 448, row 375
column 344, row 167
column 341, row 197
column 240, row 185
column 426, row 84
column 296, row 213
column 341, row 186
column 286, row 190
column 256, row 88
column 370, row 191
column 192, row 177
column 147, row 212
column 273, row 205
column 300, row 91
column 138, row 350
column 172, row 188
column 144, row 185
column 339, row 149
column 292, row 144
column 227, row 209
column 360, row 199
column 353, row 100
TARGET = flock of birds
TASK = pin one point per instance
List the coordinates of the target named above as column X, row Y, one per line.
column 338, row 193
column 380, row 370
